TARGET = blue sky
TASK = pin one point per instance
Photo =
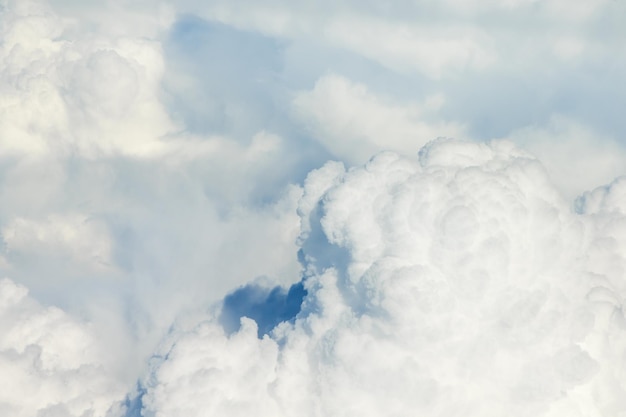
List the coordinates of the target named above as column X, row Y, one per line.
column 161, row 160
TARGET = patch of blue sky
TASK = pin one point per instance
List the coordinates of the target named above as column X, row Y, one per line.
column 268, row 307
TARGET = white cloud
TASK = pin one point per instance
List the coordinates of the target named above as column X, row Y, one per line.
column 354, row 123
column 425, row 271
column 88, row 95
column 577, row 158
column 111, row 209
column 437, row 53
column 51, row 364
column 436, row 39
column 115, row 19
column 209, row 366
column 467, row 289
column 84, row 241
column 397, row 43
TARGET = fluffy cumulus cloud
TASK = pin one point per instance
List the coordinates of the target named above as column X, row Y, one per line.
column 189, row 224
column 65, row 93
column 455, row 283
column 52, row 364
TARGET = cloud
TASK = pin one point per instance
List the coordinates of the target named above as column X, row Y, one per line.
column 470, row 287
column 154, row 159
column 52, row 364
column 88, row 95
column 497, row 74
column 563, row 140
column 406, row 47
column 469, row 35
column 75, row 236
column 214, row 90
column 112, row 209
column 356, row 99
column 240, row 368
column 354, row 123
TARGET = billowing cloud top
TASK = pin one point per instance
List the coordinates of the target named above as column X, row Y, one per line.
column 456, row 283
column 191, row 223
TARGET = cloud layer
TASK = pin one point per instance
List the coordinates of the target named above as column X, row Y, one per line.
column 160, row 163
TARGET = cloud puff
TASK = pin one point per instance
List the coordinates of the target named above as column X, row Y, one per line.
column 52, row 364
column 353, row 123
column 456, row 283
column 66, row 94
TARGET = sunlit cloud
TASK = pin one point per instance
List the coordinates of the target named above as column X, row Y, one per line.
column 313, row 208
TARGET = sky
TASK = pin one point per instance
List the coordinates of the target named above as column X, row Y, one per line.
column 224, row 208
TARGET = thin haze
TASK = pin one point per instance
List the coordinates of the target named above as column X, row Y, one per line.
column 312, row 208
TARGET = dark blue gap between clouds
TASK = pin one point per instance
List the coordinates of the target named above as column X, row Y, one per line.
column 266, row 306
